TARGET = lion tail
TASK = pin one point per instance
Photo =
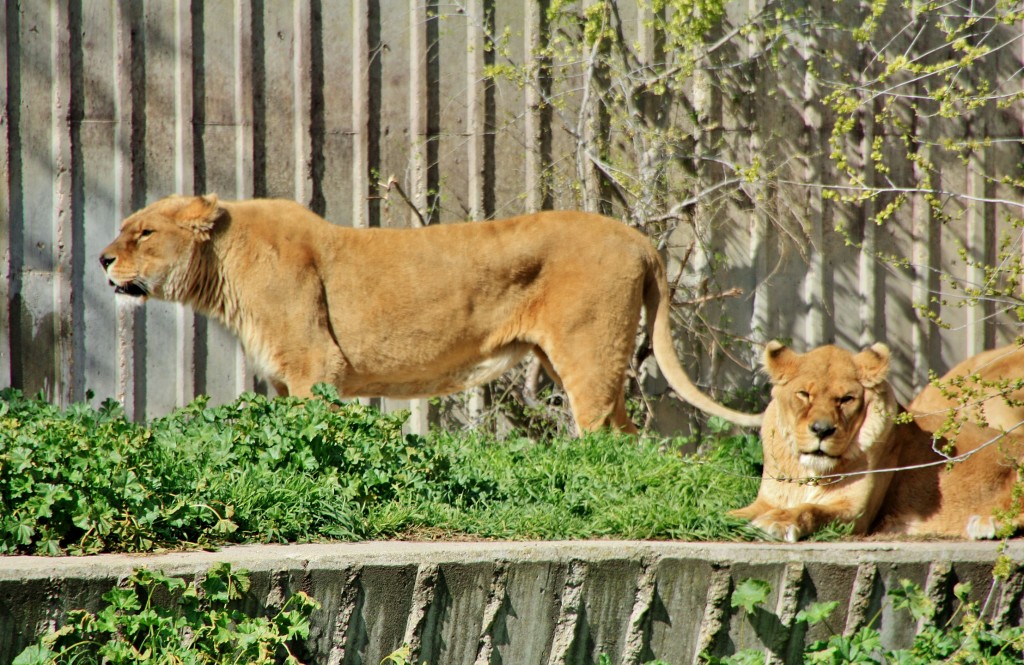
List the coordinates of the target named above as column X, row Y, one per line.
column 657, row 303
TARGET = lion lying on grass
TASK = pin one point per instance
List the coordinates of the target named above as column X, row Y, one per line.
column 831, row 440
column 416, row 312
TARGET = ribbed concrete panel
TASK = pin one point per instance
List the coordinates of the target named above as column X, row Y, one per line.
column 546, row 603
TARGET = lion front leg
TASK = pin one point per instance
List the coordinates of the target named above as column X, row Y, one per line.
column 295, row 370
column 793, row 524
column 788, row 524
column 777, row 523
column 754, row 510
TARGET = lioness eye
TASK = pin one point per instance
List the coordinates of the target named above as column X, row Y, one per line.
column 803, row 394
column 146, row 233
column 846, row 399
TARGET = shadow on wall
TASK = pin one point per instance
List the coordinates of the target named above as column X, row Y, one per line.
column 34, row 367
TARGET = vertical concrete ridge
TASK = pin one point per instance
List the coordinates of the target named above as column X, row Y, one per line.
column 348, row 606
column 936, row 586
column 715, row 609
column 278, row 592
column 861, row 595
column 62, row 156
column 638, row 628
column 53, row 610
column 427, row 576
column 787, row 606
column 1011, row 590
column 570, row 609
column 494, row 614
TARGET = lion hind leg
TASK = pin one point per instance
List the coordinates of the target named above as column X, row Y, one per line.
column 598, row 402
column 587, row 355
column 989, row 527
column 592, row 416
column 982, row 527
column 595, row 388
column 545, row 362
column 622, row 422
column 589, row 414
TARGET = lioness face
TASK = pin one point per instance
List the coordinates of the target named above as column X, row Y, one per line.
column 155, row 246
column 822, row 399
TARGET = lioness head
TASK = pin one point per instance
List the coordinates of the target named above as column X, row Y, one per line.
column 823, row 401
column 152, row 253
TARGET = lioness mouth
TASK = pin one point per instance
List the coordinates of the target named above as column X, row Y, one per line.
column 819, row 463
column 818, row 457
column 130, row 289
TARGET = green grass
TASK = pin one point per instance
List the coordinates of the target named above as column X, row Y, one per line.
column 85, row 480
column 597, row 486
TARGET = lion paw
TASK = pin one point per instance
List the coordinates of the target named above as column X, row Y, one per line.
column 982, row 527
column 779, row 525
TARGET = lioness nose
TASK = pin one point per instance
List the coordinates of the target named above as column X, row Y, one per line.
column 106, row 260
column 822, row 428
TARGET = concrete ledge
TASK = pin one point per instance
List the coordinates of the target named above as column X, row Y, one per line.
column 542, row 602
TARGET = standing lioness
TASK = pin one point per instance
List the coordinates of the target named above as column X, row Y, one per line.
column 417, row 312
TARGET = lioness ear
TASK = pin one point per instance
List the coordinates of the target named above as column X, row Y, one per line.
column 872, row 364
column 200, row 214
column 780, row 362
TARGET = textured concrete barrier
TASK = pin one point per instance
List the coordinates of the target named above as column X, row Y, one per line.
column 550, row 603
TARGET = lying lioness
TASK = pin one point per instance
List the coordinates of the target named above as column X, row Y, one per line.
column 984, row 389
column 417, row 312
column 832, row 440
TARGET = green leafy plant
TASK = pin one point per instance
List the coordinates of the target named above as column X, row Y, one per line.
column 152, row 617
column 750, row 593
column 73, row 476
column 966, row 637
column 84, row 480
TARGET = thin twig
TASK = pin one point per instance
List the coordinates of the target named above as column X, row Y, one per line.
column 903, row 190
column 693, row 200
column 393, row 183
column 734, row 292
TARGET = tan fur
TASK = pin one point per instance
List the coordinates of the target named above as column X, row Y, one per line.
column 831, row 419
column 846, row 398
column 411, row 313
column 961, row 501
column 982, row 388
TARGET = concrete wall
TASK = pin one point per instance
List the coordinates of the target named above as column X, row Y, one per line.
column 545, row 603
column 106, row 106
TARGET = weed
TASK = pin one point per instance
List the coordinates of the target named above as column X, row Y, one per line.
column 156, row 618
column 967, row 637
